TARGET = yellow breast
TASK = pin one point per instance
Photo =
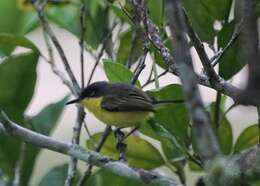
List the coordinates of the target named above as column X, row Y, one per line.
column 118, row 119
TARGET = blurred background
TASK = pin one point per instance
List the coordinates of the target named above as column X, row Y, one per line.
column 50, row 89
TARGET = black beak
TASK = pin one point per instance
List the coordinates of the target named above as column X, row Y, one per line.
column 73, row 101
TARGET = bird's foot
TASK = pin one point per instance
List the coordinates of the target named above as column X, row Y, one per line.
column 120, row 146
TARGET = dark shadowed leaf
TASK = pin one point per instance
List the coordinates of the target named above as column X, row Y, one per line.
column 172, row 148
column 105, row 178
column 56, row 176
column 201, row 20
column 10, row 41
column 68, row 17
column 130, row 44
column 146, row 157
column 44, row 121
column 232, row 60
column 224, row 132
column 248, row 138
column 173, row 117
column 156, row 11
column 203, row 15
column 14, row 20
column 17, row 79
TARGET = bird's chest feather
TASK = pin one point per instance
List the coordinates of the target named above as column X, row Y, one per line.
column 120, row 119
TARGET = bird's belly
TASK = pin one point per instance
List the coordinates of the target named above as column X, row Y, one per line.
column 118, row 119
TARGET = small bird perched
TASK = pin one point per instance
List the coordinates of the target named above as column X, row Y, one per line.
column 118, row 104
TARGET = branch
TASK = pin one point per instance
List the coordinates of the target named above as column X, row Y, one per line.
column 222, row 86
column 215, row 59
column 19, row 165
column 102, row 141
column 206, row 141
column 54, row 68
column 235, row 170
column 214, row 78
column 72, row 169
column 85, row 155
column 250, row 47
column 100, row 54
column 39, row 9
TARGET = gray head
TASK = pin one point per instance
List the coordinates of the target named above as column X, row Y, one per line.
column 96, row 89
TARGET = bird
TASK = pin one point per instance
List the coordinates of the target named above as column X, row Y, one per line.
column 118, row 104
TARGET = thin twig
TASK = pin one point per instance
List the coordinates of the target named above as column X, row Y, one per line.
column 214, row 78
column 154, row 37
column 20, row 165
column 100, row 54
column 140, row 68
column 81, row 41
column 152, row 80
column 215, row 59
column 217, row 110
column 72, row 169
column 54, row 68
column 100, row 144
column 45, row 25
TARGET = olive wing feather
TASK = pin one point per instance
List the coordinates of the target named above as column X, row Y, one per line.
column 127, row 101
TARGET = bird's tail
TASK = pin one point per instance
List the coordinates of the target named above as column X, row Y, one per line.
column 156, row 102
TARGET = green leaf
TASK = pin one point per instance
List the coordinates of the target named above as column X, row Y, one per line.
column 146, row 157
column 105, row 178
column 224, row 131
column 43, row 122
column 119, row 13
column 10, row 41
column 201, row 20
column 66, row 17
column 218, row 9
column 17, row 80
column 172, row 148
column 203, row 15
column 116, row 72
column 248, row 138
column 13, row 20
column 156, row 10
column 56, row 176
column 130, row 44
column 174, row 117
column 46, row 120
column 232, row 60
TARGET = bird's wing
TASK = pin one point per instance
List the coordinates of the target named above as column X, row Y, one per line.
column 131, row 101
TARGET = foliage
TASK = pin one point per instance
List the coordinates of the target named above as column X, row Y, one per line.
column 170, row 128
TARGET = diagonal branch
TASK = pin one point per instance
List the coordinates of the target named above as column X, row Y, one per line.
column 222, row 86
column 39, row 7
column 214, row 78
column 206, row 141
column 250, row 47
column 74, row 150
